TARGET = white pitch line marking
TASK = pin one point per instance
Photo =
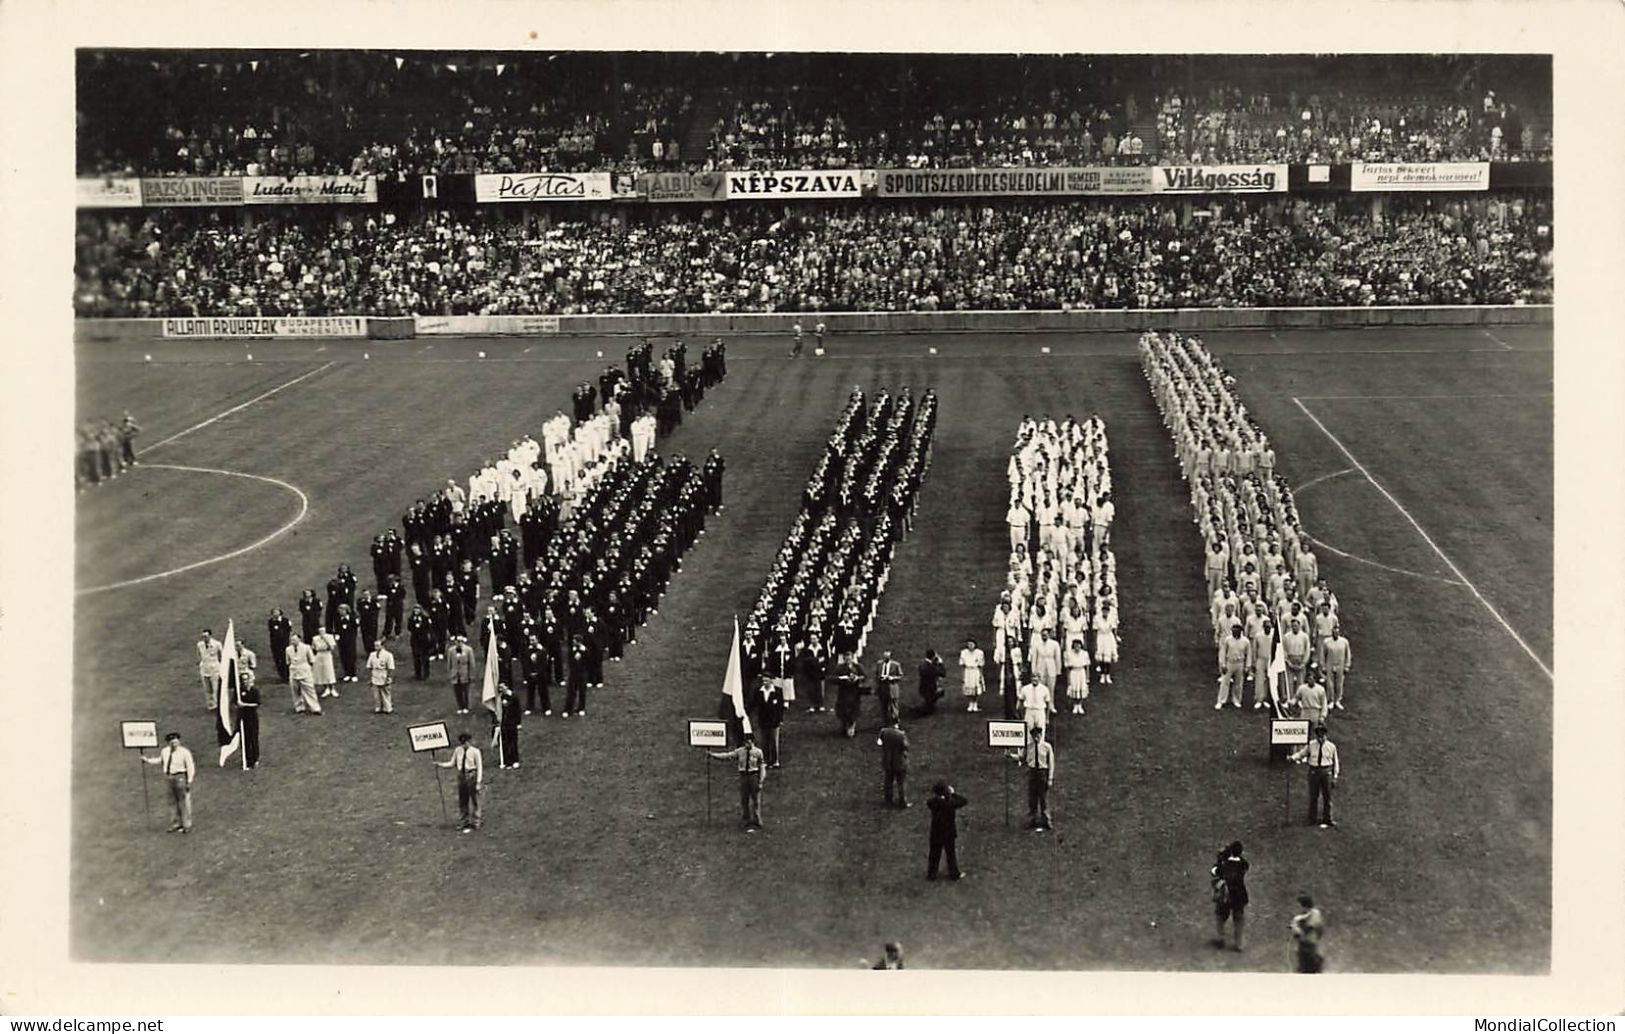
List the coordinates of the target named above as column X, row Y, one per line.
column 1428, row 539
column 235, row 409
column 304, row 508
column 1312, row 482
column 1328, row 547
column 1495, row 339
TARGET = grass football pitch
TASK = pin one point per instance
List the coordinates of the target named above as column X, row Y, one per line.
column 597, row 851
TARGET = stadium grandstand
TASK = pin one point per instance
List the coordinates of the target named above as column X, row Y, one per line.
column 630, row 292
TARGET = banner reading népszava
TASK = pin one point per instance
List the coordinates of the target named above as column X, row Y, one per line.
column 793, row 183
column 1220, row 179
column 1369, row 176
column 310, row 190
column 264, row 326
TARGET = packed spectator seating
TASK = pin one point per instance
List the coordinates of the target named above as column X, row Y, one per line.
column 910, row 256
column 271, row 112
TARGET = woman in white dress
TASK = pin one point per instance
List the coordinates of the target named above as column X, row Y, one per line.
column 1077, row 673
column 322, row 674
column 1105, row 642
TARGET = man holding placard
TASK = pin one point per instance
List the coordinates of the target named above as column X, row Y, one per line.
column 752, row 775
column 178, row 767
column 470, row 766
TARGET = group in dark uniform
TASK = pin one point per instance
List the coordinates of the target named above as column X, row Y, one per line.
column 826, row 580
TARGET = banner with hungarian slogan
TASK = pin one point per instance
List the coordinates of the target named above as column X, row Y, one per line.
column 310, row 190
column 167, row 191
column 1409, row 176
column 796, row 184
column 1220, row 179
column 263, row 326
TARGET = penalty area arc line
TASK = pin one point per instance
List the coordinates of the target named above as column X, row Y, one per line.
column 1470, row 587
column 304, row 508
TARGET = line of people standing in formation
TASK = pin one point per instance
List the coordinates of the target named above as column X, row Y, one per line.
column 600, row 534
column 1057, row 619
column 819, row 599
column 104, row 450
column 1276, row 622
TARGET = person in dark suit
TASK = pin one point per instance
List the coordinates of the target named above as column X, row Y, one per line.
column 1229, row 875
column 310, row 614
column 894, row 763
column 932, row 672
column 394, row 604
column 770, row 707
column 344, row 629
column 944, row 805
column 509, row 718
column 849, row 678
column 280, row 632
column 248, row 705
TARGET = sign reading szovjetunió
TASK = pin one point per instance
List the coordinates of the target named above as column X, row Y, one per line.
column 1220, row 179
column 264, row 326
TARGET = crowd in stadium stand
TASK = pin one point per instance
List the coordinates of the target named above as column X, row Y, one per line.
column 360, row 112
column 1401, row 250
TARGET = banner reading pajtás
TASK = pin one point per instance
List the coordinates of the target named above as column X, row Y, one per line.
column 793, row 183
column 107, row 192
column 552, row 186
column 310, row 190
column 264, row 326
column 192, row 190
column 1220, row 179
column 1369, row 176
column 1048, row 182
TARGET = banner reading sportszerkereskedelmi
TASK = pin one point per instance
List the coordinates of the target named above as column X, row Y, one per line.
column 793, row 183
column 1037, row 182
column 1402, row 176
column 1220, row 179
column 264, row 326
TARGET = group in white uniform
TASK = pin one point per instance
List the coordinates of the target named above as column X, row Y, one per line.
column 1261, row 573
column 1057, row 619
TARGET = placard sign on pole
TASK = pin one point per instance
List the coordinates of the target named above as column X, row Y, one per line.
column 709, row 734
column 138, row 736
column 1006, row 735
column 1288, row 732
column 431, row 738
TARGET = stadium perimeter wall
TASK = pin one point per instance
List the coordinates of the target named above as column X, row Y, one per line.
column 667, row 324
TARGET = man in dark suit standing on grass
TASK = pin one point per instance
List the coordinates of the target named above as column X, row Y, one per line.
column 894, row 761
column 944, row 805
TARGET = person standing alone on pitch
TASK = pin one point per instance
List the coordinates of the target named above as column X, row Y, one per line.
column 470, row 766
column 460, row 659
column 381, row 674
column 179, row 768
column 208, row 668
column 1229, row 874
column 944, row 805
column 752, row 776
column 1320, row 754
column 1038, row 758
column 893, row 744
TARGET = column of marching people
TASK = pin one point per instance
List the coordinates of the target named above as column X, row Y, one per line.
column 1057, row 619
column 602, row 522
column 1277, row 625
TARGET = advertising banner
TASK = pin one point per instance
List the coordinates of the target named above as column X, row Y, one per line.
column 1368, row 176
column 264, row 326
column 455, row 326
column 192, row 190
column 680, row 186
column 1221, row 179
column 310, row 190
column 793, row 183
column 551, row 186
column 1060, row 181
column 107, row 192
